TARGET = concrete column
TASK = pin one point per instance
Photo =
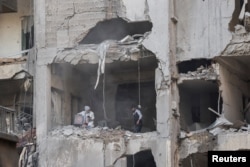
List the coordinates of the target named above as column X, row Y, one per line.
column 39, row 21
column 121, row 163
column 42, row 101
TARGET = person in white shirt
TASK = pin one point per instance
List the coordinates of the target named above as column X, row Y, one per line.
column 88, row 117
column 137, row 118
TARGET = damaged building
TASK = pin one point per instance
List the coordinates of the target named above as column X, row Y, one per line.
column 16, row 77
column 188, row 70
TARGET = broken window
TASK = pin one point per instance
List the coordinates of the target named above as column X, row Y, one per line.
column 196, row 96
column 116, row 29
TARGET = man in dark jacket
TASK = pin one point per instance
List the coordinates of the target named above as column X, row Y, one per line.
column 137, row 118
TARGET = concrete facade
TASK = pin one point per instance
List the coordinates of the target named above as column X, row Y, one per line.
column 195, row 61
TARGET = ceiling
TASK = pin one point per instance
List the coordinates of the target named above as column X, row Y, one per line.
column 10, row 86
column 238, row 65
column 146, row 64
column 199, row 86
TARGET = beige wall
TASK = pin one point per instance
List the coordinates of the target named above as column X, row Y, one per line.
column 10, row 29
column 202, row 28
column 10, row 34
column 233, row 88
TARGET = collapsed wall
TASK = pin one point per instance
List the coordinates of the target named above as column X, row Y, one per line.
column 72, row 146
column 212, row 54
column 62, row 25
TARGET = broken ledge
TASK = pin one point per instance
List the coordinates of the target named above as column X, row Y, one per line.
column 90, row 54
column 106, row 134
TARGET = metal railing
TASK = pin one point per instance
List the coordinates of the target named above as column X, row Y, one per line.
column 7, row 120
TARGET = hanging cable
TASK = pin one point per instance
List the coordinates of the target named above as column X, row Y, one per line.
column 139, row 82
column 133, row 160
column 104, row 99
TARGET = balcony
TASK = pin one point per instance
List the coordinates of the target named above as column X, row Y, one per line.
column 7, row 118
column 8, row 6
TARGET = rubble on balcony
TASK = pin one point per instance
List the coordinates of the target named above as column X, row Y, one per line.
column 203, row 140
column 104, row 133
column 109, row 146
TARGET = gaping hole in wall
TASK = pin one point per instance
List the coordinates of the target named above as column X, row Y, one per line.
column 115, row 29
column 196, row 96
column 119, row 87
column 234, row 72
column 141, row 159
column 195, row 160
column 192, row 65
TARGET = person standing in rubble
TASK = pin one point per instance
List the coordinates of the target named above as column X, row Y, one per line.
column 137, row 118
column 88, row 117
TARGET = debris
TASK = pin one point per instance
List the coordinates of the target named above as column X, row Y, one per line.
column 182, row 135
column 238, row 124
column 242, row 12
column 118, row 127
column 213, row 111
column 201, row 73
column 220, row 121
column 239, row 29
column 247, row 21
column 27, row 84
column 68, row 132
column 102, row 51
column 126, row 39
column 97, row 132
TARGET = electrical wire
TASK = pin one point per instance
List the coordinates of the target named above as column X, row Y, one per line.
column 139, row 82
column 104, row 99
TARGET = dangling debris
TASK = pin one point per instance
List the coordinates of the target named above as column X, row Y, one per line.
column 102, row 51
column 27, row 84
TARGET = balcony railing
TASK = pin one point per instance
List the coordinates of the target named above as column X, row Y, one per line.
column 7, row 120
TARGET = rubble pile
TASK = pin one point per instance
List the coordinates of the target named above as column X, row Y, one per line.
column 96, row 133
column 202, row 72
column 206, row 139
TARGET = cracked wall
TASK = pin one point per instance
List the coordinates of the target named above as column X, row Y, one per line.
column 68, row 22
column 208, row 31
column 62, row 24
column 72, row 146
column 209, row 35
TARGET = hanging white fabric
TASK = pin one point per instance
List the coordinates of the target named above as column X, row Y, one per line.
column 102, row 51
